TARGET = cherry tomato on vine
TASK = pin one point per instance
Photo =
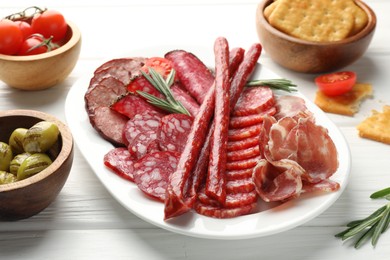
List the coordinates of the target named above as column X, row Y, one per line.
column 337, row 83
column 25, row 27
column 11, row 37
column 50, row 23
column 35, row 44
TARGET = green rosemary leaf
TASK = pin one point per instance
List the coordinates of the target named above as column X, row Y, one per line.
column 281, row 84
column 373, row 215
column 381, row 193
column 365, row 237
column 381, row 226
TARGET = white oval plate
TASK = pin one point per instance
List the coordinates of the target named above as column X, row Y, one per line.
column 272, row 219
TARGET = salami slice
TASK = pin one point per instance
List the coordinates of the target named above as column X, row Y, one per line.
column 240, row 186
column 143, row 143
column 233, row 200
column 242, row 164
column 233, row 175
column 185, row 99
column 110, row 124
column 121, row 162
column 140, row 83
column 243, row 133
column 243, row 154
column 245, row 121
column 131, row 105
column 219, row 212
column 254, row 100
column 151, row 173
column 243, row 143
column 141, row 123
column 173, row 132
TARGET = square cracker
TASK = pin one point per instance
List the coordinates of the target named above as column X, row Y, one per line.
column 377, row 126
column 347, row 104
column 314, row 20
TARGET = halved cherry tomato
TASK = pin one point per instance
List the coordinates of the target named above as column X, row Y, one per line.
column 50, row 23
column 11, row 37
column 159, row 64
column 337, row 83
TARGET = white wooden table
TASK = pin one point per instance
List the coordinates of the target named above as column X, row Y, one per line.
column 85, row 222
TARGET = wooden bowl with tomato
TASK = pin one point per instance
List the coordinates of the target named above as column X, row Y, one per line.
column 40, row 61
column 309, row 56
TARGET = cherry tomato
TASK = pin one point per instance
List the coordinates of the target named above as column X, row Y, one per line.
column 11, row 37
column 34, row 45
column 50, row 23
column 25, row 27
column 159, row 64
column 336, row 83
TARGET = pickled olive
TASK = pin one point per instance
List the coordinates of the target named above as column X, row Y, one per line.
column 6, row 177
column 32, row 165
column 5, row 156
column 16, row 140
column 40, row 137
column 17, row 161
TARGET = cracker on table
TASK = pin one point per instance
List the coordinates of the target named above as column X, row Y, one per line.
column 377, row 126
column 314, row 20
column 347, row 104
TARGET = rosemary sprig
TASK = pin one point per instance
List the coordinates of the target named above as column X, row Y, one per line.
column 281, row 84
column 372, row 226
column 169, row 104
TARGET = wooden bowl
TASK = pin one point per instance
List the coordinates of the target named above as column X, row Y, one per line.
column 313, row 57
column 42, row 71
column 30, row 196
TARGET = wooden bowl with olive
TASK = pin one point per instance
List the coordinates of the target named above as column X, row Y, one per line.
column 29, row 185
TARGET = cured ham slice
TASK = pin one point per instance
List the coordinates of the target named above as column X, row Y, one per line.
column 291, row 106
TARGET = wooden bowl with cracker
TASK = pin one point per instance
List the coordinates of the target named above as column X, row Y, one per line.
column 314, row 53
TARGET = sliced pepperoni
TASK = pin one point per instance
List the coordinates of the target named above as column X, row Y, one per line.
column 242, row 133
column 219, row 212
column 233, row 175
column 121, row 162
column 110, row 124
column 131, row 105
column 240, row 186
column 243, row 144
column 254, row 101
column 233, row 200
column 250, row 120
column 143, row 143
column 242, row 164
column 243, row 154
column 173, row 132
column 151, row 173
column 141, row 123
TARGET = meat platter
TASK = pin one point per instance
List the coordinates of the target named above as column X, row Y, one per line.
column 268, row 221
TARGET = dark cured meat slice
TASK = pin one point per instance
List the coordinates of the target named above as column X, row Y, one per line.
column 215, row 179
column 243, row 144
column 243, row 154
column 254, row 101
column 143, row 143
column 239, row 174
column 151, row 173
column 110, row 124
column 243, row 164
column 185, row 99
column 243, row 133
column 131, row 64
column 141, row 123
column 131, row 105
column 173, row 132
column 245, row 121
column 192, row 73
column 99, row 96
column 121, row 162
column 218, row 212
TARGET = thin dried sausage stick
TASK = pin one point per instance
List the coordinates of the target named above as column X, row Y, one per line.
column 215, row 183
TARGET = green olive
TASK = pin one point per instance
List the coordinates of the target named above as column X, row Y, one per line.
column 6, row 177
column 32, row 165
column 40, row 137
column 17, row 161
column 5, row 156
column 16, row 140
